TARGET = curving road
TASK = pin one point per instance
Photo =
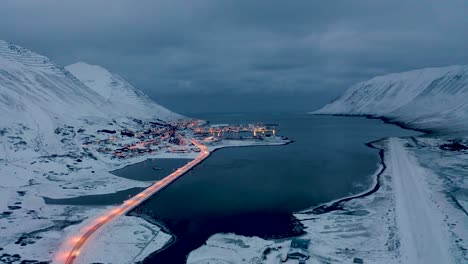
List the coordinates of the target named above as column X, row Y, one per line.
column 128, row 205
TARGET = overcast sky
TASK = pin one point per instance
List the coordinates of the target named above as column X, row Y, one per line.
column 232, row 56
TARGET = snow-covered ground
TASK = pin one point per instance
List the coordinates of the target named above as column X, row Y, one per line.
column 127, row 240
column 423, row 235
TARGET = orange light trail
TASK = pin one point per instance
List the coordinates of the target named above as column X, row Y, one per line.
column 78, row 242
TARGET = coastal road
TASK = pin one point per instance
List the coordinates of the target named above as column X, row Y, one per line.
column 423, row 236
column 79, row 241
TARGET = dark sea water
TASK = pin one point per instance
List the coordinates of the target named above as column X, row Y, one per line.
column 254, row 190
column 151, row 169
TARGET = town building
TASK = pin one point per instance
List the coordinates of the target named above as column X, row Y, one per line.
column 299, row 249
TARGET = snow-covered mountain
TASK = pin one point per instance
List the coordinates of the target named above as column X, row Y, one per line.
column 432, row 98
column 33, row 87
column 115, row 90
column 37, row 96
column 49, row 147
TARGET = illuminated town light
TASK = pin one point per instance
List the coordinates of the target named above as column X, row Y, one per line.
column 70, row 257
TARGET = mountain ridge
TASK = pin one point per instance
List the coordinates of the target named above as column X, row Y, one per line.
column 115, row 90
column 433, row 99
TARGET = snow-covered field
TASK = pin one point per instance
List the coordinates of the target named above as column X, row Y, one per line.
column 127, row 240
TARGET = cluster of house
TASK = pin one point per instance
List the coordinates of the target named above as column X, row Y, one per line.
column 226, row 131
column 188, row 124
column 153, row 137
column 171, row 137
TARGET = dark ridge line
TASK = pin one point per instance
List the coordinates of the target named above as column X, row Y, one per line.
column 457, row 204
column 337, row 205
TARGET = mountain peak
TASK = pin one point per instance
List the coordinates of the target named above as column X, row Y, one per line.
column 119, row 92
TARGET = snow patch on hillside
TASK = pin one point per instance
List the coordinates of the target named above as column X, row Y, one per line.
column 115, row 90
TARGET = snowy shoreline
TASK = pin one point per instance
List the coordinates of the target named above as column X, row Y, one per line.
column 367, row 225
column 375, row 185
column 330, row 206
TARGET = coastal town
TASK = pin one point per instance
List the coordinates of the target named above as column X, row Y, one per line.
column 157, row 136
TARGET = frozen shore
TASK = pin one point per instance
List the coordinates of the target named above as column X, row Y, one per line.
column 142, row 237
column 415, row 216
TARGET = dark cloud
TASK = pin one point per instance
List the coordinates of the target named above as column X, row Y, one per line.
column 305, row 52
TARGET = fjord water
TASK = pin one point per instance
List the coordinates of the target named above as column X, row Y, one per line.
column 254, row 190
column 149, row 170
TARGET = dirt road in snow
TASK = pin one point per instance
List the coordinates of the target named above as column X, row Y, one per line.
column 423, row 234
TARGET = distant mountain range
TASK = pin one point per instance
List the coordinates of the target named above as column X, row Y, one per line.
column 432, row 98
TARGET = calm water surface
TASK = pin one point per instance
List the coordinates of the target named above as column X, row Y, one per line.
column 149, row 170
column 254, row 190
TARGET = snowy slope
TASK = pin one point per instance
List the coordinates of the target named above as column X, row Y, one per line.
column 32, row 86
column 432, row 98
column 37, row 96
column 131, row 101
